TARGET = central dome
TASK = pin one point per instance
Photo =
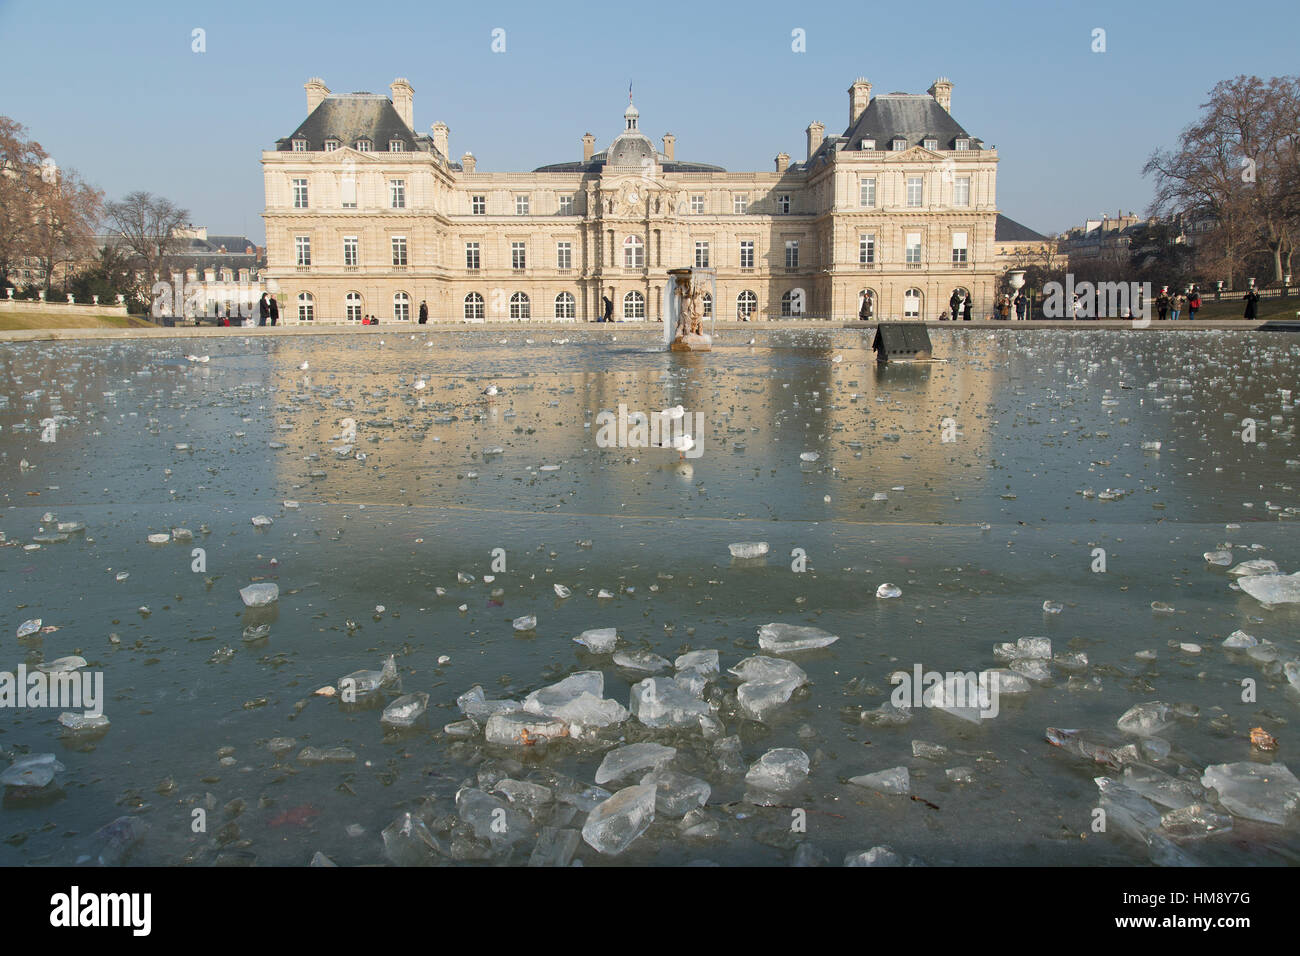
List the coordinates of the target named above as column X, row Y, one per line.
column 631, row 148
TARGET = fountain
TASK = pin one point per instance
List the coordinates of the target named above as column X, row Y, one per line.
column 684, row 309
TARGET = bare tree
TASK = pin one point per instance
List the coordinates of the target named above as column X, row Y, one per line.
column 147, row 225
column 66, row 213
column 20, row 170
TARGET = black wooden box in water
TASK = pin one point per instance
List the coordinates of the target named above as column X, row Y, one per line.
column 901, row 341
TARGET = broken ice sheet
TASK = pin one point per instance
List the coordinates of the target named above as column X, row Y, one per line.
column 1268, row 793
column 781, row 638
column 600, row 640
column 1272, row 589
column 614, row 824
column 631, row 758
column 895, row 780
column 406, row 710
column 782, row 768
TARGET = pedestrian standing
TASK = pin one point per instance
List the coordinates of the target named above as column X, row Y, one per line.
column 1193, row 303
column 424, row 313
column 1162, row 303
column 1021, row 304
column 1180, row 303
column 263, row 309
column 1252, row 304
column 275, row 311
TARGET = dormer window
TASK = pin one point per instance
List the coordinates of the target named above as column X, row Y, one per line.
column 331, row 145
column 899, row 144
column 396, row 145
column 868, row 144
column 300, row 146
column 930, row 143
column 363, row 145
column 962, row 144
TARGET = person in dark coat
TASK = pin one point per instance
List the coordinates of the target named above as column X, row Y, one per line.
column 263, row 310
column 275, row 311
column 878, row 346
column 1252, row 304
column 954, row 305
column 424, row 313
column 609, row 309
column 868, row 306
column 965, row 307
column 1193, row 303
column 1021, row 304
column 1162, row 304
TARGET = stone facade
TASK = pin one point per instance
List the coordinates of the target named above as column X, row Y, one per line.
column 366, row 216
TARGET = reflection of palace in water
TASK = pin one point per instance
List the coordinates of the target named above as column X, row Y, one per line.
column 737, row 390
column 366, row 216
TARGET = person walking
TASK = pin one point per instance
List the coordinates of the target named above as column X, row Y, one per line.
column 609, row 309
column 1252, row 304
column 424, row 313
column 1180, row 303
column 1162, row 303
column 263, row 309
column 1193, row 303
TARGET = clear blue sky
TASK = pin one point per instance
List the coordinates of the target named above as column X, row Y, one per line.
column 114, row 89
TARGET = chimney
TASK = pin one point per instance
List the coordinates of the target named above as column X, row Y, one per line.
column 404, row 101
column 859, row 99
column 782, row 162
column 941, row 90
column 815, row 131
column 316, row 92
column 670, row 145
column 441, row 132
column 588, row 147
column 467, row 163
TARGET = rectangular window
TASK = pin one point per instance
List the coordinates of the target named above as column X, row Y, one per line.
column 348, row 190
column 792, row 253
column 783, row 204
column 331, row 145
column 349, row 250
column 521, row 205
column 518, row 255
column 363, row 146
column 397, row 193
column 867, row 249
column 915, row 190
column 303, row 246
column 740, row 204
column 899, row 145
column 564, row 255
column 961, row 191
column 963, row 145
column 300, row 194
column 566, row 205
column 300, row 146
column 959, row 248
column 399, row 250
column 867, row 191
column 913, row 248
column 701, row 255
column 478, row 205
column 697, row 204
column 747, row 253
column 396, row 145
column 472, row 260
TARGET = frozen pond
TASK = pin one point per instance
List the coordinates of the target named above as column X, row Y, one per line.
column 990, row 488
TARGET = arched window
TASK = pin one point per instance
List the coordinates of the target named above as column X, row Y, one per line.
column 401, row 307
column 708, row 305
column 520, row 307
column 633, row 253
column 912, row 304
column 633, row 306
column 352, row 306
column 746, row 304
column 794, row 303
column 867, row 309
column 565, row 306
column 306, row 307
column 474, row 307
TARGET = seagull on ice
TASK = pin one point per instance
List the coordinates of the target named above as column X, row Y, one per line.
column 674, row 413
column 838, row 359
column 680, row 444
column 491, row 392
column 303, row 367
column 421, row 385
column 203, row 359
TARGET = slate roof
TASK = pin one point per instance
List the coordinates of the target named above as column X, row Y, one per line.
column 349, row 117
column 1008, row 230
column 912, row 117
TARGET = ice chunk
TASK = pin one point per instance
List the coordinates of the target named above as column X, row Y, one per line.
column 702, row 662
column 28, row 628
column 493, row 820
column 555, row 695
column 1254, row 566
column 62, row 665
column 116, row 840
column 600, row 640
column 619, row 763
column 33, row 770
column 781, row 769
column 1239, row 639
column 555, row 847
column 1127, row 811
column 639, row 660
column 162, row 538
column 261, row 521
column 522, row 730
column 876, row 856
column 613, row 825
column 659, row 702
column 526, row 623
column 315, row 755
column 1146, row 720
column 748, row 549
column 780, row 638
column 759, row 668
column 928, row 751
column 406, row 711
column 895, row 780
column 409, row 842
column 361, row 683
column 1273, row 589
column 86, row 724
column 1088, row 745
column 676, row 793
column 888, row 590
column 1162, row 789
column 1265, row 792
column 1194, row 820
column 260, row 595
column 1220, row 558
column 475, row 705
column 759, row 698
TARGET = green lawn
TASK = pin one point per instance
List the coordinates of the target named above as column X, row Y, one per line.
column 10, row 321
column 1232, row 307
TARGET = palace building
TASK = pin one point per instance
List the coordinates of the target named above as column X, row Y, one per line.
column 366, row 216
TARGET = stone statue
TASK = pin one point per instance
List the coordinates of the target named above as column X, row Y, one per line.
column 690, row 309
